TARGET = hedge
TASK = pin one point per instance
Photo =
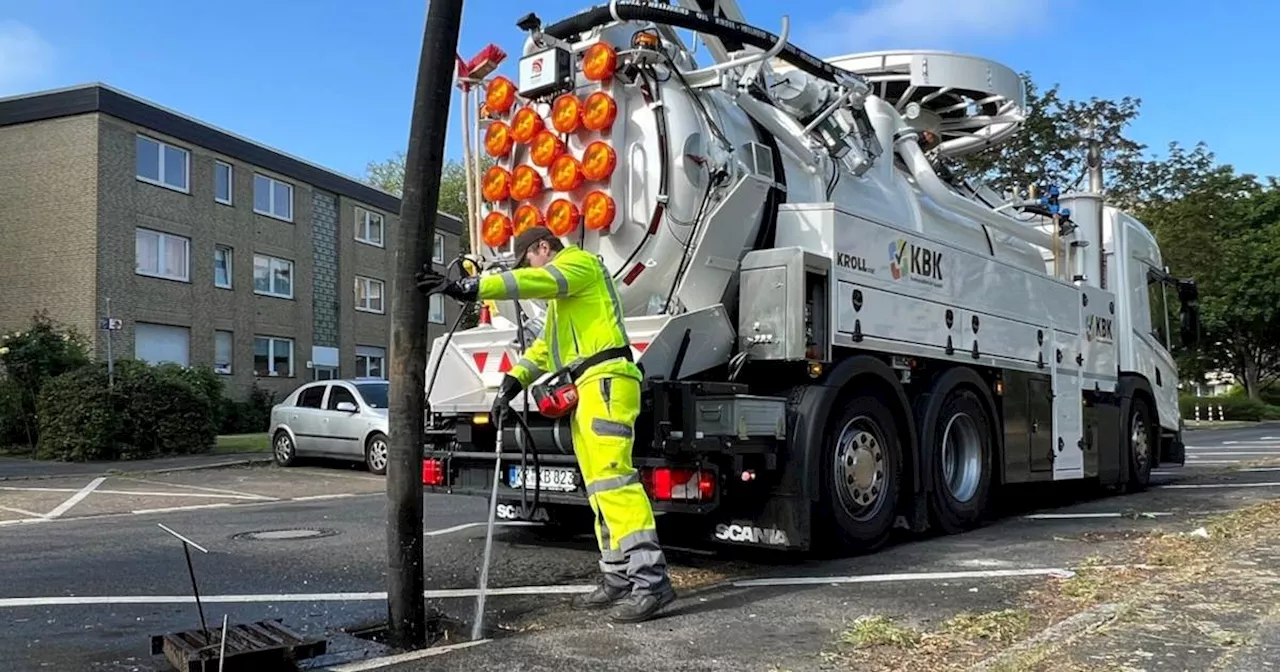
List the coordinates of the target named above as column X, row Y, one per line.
column 1233, row 408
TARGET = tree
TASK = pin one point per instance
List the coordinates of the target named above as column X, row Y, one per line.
column 388, row 175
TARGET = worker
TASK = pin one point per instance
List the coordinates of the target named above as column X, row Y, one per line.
column 584, row 332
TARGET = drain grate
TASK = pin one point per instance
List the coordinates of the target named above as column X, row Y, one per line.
column 285, row 535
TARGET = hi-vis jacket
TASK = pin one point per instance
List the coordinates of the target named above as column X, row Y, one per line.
column 584, row 315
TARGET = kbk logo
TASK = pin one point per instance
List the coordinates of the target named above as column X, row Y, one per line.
column 917, row 262
column 537, row 67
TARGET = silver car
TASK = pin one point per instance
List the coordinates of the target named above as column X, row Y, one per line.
column 345, row 419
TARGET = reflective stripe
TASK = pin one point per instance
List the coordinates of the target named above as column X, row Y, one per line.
column 553, row 327
column 641, row 540
column 528, row 365
column 562, row 283
column 611, row 556
column 509, row 285
column 607, row 484
column 605, row 427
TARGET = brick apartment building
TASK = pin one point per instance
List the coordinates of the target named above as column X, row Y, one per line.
column 212, row 249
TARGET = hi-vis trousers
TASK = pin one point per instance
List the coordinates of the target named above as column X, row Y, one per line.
column 603, row 431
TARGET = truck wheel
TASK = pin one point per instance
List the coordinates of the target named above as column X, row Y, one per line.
column 861, row 473
column 959, row 446
column 1141, row 438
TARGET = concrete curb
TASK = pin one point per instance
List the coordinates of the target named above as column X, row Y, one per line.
column 255, row 458
column 1056, row 636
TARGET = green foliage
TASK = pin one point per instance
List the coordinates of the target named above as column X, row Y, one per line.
column 388, row 175
column 29, row 360
column 250, row 416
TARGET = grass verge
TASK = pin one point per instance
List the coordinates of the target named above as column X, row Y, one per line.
column 242, row 443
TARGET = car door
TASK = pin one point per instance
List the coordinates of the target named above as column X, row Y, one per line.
column 307, row 420
column 345, row 427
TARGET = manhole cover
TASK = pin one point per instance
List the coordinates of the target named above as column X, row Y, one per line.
column 280, row 535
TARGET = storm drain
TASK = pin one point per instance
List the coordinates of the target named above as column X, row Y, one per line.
column 285, row 535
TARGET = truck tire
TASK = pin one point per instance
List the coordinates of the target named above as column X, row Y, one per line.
column 959, row 446
column 1141, row 442
column 861, row 473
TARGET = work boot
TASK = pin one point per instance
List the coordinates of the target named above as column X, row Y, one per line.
column 643, row 606
column 603, row 596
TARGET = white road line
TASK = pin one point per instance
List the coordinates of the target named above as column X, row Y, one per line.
column 377, row 663
column 1209, row 486
column 192, row 495
column 125, row 514
column 312, row 498
column 24, row 512
column 1251, row 442
column 75, row 499
column 10, row 487
column 200, row 488
column 1231, row 453
column 1258, row 469
column 24, row 521
column 466, row 526
column 920, row 576
column 171, row 509
column 1108, row 514
column 73, row 600
column 1201, row 463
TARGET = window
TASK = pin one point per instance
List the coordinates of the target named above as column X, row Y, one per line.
column 437, row 249
column 369, row 295
column 272, row 356
column 370, row 362
column 272, row 276
column 222, row 182
column 324, row 373
column 163, row 255
column 222, row 266
column 161, row 343
column 162, row 164
column 375, row 394
column 435, row 309
column 311, row 397
column 222, row 349
column 1156, row 302
column 339, row 394
column 272, row 198
column 369, row 227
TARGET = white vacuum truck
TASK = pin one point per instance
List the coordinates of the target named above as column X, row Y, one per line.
column 837, row 336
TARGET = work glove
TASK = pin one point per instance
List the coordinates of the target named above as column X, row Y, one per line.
column 509, row 389
column 430, row 282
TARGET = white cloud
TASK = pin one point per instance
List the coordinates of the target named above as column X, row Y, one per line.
column 25, row 58
column 923, row 24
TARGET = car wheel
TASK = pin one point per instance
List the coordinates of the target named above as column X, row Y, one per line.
column 375, row 454
column 283, row 450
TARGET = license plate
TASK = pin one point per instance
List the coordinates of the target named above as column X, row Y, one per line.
column 561, row 480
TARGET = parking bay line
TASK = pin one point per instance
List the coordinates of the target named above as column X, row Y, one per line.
column 74, row 600
column 1211, row 486
column 76, row 498
column 377, row 663
column 1056, row 572
column 199, row 487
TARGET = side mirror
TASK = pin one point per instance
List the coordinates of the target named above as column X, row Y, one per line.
column 347, row 407
column 1189, row 297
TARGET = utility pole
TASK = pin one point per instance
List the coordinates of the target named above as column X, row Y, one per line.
column 406, row 608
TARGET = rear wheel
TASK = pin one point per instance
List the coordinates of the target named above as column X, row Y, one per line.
column 375, row 454
column 861, row 473
column 959, row 447
column 1141, row 435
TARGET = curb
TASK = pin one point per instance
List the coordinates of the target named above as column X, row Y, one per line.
column 258, row 458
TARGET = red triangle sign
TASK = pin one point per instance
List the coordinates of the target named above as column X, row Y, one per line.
column 480, row 357
column 505, row 365
column 640, row 346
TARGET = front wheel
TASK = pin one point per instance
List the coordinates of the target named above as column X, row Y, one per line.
column 861, row 473
column 375, row 454
column 1141, row 436
column 283, row 449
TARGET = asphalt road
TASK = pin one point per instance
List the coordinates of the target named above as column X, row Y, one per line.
column 86, row 588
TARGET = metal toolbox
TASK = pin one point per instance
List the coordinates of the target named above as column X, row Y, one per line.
column 741, row 415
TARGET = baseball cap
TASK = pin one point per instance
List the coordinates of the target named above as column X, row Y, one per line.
column 527, row 239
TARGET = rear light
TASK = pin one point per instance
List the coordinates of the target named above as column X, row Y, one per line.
column 566, row 174
column 598, row 211
column 526, row 124
column 527, row 217
column 496, row 229
column 566, row 113
column 496, row 185
column 497, row 139
column 599, row 111
column 562, row 217
column 598, row 161
column 667, row 484
column 432, row 471
column 546, row 148
column 525, row 183
column 599, row 62
column 500, row 94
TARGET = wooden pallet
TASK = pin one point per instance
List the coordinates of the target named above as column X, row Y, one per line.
column 260, row 647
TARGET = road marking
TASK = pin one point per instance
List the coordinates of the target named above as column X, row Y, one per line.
column 1108, row 514
column 124, row 514
column 24, row 521
column 1251, row 442
column 312, row 498
column 75, row 499
column 73, row 600
column 1258, row 469
column 1233, row 453
column 1197, row 486
column 24, row 512
column 1056, row 572
column 376, row 663
column 193, row 495
column 200, row 488
column 10, row 487
column 171, row 509
column 467, row 526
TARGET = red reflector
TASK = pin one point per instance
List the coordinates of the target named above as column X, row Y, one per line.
column 640, row 346
column 484, row 315
column 666, row 484
column 505, row 365
column 481, row 358
column 633, row 274
column 432, row 471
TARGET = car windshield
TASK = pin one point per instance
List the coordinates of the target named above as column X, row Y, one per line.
column 375, row 394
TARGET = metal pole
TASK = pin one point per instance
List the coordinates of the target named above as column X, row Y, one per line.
column 406, row 608
column 195, row 590
column 111, row 360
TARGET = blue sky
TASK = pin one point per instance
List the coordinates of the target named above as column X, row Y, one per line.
column 332, row 80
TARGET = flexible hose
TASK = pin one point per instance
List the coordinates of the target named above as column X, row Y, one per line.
column 639, row 10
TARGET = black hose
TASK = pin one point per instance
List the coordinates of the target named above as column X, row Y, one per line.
column 640, row 10
column 525, row 445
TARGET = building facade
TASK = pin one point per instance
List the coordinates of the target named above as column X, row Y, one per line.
column 209, row 249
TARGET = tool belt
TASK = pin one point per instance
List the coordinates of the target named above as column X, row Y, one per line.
column 558, row 396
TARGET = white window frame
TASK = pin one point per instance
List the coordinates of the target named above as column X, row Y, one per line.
column 369, row 283
column 435, row 309
column 160, row 153
column 231, row 359
column 365, row 359
column 271, row 197
column 273, row 264
column 231, row 273
column 437, row 249
column 272, row 342
column 364, row 222
column 165, row 239
column 231, row 182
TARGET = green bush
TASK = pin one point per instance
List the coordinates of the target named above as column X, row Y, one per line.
column 78, row 418
column 29, row 359
column 1234, row 407
column 250, row 416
